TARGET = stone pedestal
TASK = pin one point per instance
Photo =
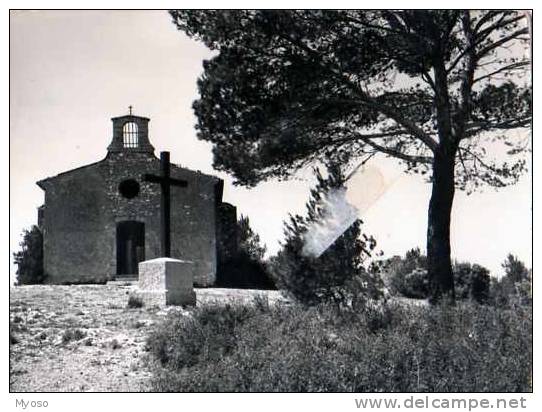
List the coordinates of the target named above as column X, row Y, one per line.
column 166, row 281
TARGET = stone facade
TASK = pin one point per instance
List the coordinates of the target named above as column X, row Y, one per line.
column 100, row 220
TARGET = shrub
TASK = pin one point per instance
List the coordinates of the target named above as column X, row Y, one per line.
column 415, row 284
column 245, row 269
column 514, row 288
column 115, row 344
column 384, row 348
column 208, row 334
column 515, row 270
column 72, row 335
column 135, row 302
column 29, row 259
column 471, row 282
column 243, row 272
column 408, row 277
column 13, row 339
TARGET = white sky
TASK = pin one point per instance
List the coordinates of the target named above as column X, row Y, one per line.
column 71, row 71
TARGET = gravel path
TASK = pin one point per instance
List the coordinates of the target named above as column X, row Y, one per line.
column 84, row 338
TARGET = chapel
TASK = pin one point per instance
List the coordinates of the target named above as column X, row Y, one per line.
column 100, row 220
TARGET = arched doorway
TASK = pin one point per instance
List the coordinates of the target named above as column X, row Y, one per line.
column 130, row 246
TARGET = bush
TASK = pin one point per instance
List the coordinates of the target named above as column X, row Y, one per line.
column 72, row 335
column 135, row 302
column 13, row 338
column 415, row 284
column 409, row 278
column 29, row 259
column 207, row 335
column 514, row 288
column 245, row 269
column 385, row 348
column 515, row 270
column 242, row 271
column 471, row 282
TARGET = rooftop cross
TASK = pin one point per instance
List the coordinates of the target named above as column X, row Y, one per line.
column 130, row 109
column 165, row 200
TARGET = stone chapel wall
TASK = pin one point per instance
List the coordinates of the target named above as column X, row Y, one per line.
column 83, row 206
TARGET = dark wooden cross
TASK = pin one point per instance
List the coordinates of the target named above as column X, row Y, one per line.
column 165, row 200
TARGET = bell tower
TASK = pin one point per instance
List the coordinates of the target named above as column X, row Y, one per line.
column 130, row 134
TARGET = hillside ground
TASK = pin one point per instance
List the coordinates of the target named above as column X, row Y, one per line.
column 84, row 338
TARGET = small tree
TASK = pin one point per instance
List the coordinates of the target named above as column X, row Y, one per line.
column 249, row 241
column 246, row 268
column 335, row 273
column 514, row 269
column 29, row 259
column 514, row 288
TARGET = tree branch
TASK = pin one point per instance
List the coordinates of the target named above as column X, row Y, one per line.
column 499, row 25
column 500, row 42
column 354, row 136
column 475, row 127
column 412, row 128
column 394, row 133
column 487, row 17
column 465, row 169
column 392, row 152
column 512, row 66
column 481, row 35
column 479, row 160
column 369, row 101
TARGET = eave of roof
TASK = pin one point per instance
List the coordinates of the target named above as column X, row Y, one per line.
column 40, row 183
column 51, row 178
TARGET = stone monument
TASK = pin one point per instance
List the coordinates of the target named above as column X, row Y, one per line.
column 166, row 281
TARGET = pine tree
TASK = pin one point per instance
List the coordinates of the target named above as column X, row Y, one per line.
column 338, row 273
column 515, row 270
column 249, row 240
column 429, row 88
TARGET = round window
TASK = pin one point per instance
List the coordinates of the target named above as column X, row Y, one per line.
column 129, row 188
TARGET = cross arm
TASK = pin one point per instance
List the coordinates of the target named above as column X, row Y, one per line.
column 169, row 180
column 177, row 182
column 152, row 178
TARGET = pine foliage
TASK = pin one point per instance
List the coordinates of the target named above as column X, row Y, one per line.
column 29, row 259
column 338, row 275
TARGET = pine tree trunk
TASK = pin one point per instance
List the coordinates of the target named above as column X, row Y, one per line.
column 439, row 265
